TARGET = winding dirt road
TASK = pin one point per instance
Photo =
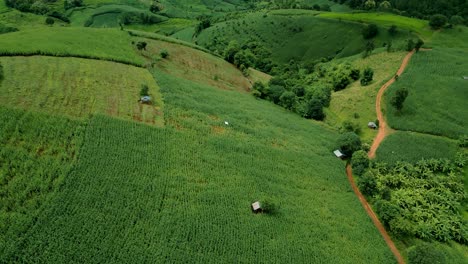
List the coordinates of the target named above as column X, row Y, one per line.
column 384, row 129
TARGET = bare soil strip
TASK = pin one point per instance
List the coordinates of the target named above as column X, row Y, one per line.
column 384, row 129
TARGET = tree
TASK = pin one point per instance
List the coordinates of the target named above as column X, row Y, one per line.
column 261, row 90
column 299, row 91
column 348, row 143
column 385, row 6
column 156, row 6
column 314, row 109
column 369, row 48
column 1, row 72
column 287, row 99
column 274, row 93
column 231, row 50
column 370, row 31
column 355, row 74
column 367, row 76
column 418, row 44
column 399, row 98
column 141, row 45
column 325, row 7
column 457, row 20
column 72, row 3
column 437, row 21
column 410, row 45
column 144, row 91
column 164, row 54
column 49, row 21
column 369, row 4
column 425, row 253
column 367, row 184
column 393, row 30
column 360, row 162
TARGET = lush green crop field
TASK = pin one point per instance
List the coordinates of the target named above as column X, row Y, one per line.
column 37, row 153
column 79, row 87
column 183, row 193
column 184, row 62
column 300, row 37
column 412, row 147
column 437, row 94
column 385, row 19
column 107, row 44
column 357, row 103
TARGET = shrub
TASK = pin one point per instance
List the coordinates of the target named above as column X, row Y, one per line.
column 348, row 143
column 275, row 92
column 386, row 211
column 4, row 29
column 367, row 76
column 437, row 21
column 410, row 45
column 164, row 54
column 392, row 30
column 313, row 109
column 425, row 253
column 72, row 3
column 287, row 99
column 457, row 20
column 419, row 44
column 355, row 73
column 462, row 141
column 144, row 90
column 49, row 21
column 367, row 184
column 141, row 45
column 349, row 126
column 399, row 98
column 360, row 162
column 370, row 31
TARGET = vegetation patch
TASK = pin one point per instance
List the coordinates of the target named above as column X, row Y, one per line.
column 412, row 147
column 437, row 98
column 79, row 87
column 38, row 152
column 105, row 44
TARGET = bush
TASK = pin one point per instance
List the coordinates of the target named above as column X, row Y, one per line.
column 4, row 29
column 410, row 45
column 367, row 76
column 437, row 21
column 355, row 74
column 1, row 72
column 349, row 126
column 141, row 45
column 386, row 211
column 462, row 141
column 287, row 99
column 370, row 31
column 393, row 30
column 144, row 90
column 367, row 184
column 313, row 109
column 72, row 3
column 348, row 143
column 164, row 54
column 425, row 253
column 360, row 162
column 49, row 21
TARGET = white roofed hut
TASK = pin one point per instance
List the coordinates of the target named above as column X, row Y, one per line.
column 256, row 207
column 339, row 154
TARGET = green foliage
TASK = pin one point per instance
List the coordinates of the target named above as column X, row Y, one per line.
column 164, row 54
column 313, row 109
column 269, row 207
column 418, row 44
column 410, row 45
column 67, row 4
column 141, row 45
column 399, row 98
column 49, row 21
column 437, row 21
column 360, row 162
column 425, row 75
column 349, row 143
column 370, row 31
column 427, row 195
column 425, row 253
column 412, row 147
column 367, row 76
column 457, row 20
column 462, row 140
column 349, row 126
column 287, row 100
column 367, row 183
column 144, row 91
column 392, row 30
column 231, row 51
column 2, row 76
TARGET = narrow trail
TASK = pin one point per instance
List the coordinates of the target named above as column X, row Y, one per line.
column 373, row 216
column 384, row 129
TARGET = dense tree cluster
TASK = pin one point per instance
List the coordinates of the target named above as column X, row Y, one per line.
column 418, row 200
column 456, row 10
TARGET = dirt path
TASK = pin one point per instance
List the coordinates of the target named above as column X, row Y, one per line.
column 384, row 129
column 373, row 216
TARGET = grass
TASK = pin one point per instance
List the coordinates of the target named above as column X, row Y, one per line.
column 412, row 147
column 300, row 37
column 166, row 28
column 37, row 153
column 437, row 94
column 106, row 44
column 198, row 66
column 357, row 103
column 421, row 27
column 258, row 76
column 78, row 87
column 172, row 194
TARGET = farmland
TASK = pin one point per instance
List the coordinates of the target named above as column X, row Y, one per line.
column 412, row 147
column 292, row 36
column 107, row 44
column 436, row 97
column 149, row 208
column 79, row 87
